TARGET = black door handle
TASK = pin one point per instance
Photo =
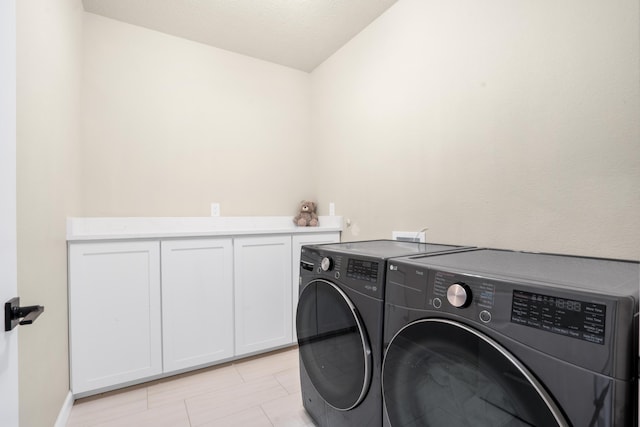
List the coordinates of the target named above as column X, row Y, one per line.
column 15, row 315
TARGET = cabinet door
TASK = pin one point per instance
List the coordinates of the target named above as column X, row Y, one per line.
column 114, row 313
column 297, row 242
column 262, row 267
column 197, row 302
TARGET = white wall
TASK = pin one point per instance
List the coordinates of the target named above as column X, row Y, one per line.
column 48, row 148
column 495, row 123
column 509, row 124
column 170, row 125
column 9, row 408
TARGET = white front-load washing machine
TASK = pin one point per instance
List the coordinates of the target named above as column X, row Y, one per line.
column 493, row 338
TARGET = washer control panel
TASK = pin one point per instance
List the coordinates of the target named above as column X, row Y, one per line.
column 326, row 264
column 361, row 269
column 361, row 273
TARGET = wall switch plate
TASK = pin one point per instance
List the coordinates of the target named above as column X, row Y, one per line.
column 215, row 209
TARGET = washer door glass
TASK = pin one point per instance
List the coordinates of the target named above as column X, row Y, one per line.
column 333, row 345
column 442, row 373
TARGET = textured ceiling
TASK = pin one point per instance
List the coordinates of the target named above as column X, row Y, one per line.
column 296, row 33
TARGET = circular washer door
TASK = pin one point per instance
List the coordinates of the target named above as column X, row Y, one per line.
column 438, row 372
column 333, row 345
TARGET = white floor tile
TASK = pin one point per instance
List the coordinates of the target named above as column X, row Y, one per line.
column 287, row 411
column 262, row 391
column 92, row 411
column 220, row 404
column 174, row 415
column 289, row 379
column 252, row 417
column 261, row 367
column 188, row 386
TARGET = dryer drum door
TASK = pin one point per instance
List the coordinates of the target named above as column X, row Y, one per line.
column 438, row 372
column 333, row 345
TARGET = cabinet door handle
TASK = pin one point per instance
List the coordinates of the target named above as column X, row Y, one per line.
column 15, row 315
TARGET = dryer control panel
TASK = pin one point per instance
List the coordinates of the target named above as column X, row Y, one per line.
column 419, row 288
column 456, row 293
column 532, row 299
column 495, row 303
column 482, row 293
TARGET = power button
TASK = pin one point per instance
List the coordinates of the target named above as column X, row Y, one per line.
column 485, row 316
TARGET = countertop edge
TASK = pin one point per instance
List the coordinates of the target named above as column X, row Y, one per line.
column 127, row 228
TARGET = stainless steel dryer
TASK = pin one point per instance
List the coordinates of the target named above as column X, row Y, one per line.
column 494, row 338
column 339, row 325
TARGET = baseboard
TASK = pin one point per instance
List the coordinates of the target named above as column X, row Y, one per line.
column 65, row 411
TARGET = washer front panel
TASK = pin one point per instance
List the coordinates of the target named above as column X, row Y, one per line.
column 333, row 345
column 439, row 372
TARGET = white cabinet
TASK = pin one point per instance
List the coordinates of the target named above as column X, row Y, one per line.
column 141, row 309
column 262, row 266
column 197, row 302
column 297, row 242
column 114, row 313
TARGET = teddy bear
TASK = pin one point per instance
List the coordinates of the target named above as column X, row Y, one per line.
column 306, row 215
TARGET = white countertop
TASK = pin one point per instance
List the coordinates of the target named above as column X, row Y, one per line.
column 80, row 229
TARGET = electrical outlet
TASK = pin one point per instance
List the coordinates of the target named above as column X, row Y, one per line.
column 215, row 209
column 332, row 209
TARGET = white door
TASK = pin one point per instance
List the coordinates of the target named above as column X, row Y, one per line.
column 197, row 302
column 114, row 313
column 262, row 275
column 8, row 286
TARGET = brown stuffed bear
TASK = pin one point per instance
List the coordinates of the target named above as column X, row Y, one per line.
column 307, row 215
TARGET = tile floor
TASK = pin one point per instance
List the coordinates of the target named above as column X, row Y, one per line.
column 255, row 392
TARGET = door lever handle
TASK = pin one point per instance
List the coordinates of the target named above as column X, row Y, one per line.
column 15, row 315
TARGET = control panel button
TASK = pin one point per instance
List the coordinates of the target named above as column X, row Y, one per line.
column 326, row 264
column 437, row 302
column 485, row 316
column 459, row 295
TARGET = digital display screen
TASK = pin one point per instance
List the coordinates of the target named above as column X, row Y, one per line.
column 362, row 270
column 572, row 318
